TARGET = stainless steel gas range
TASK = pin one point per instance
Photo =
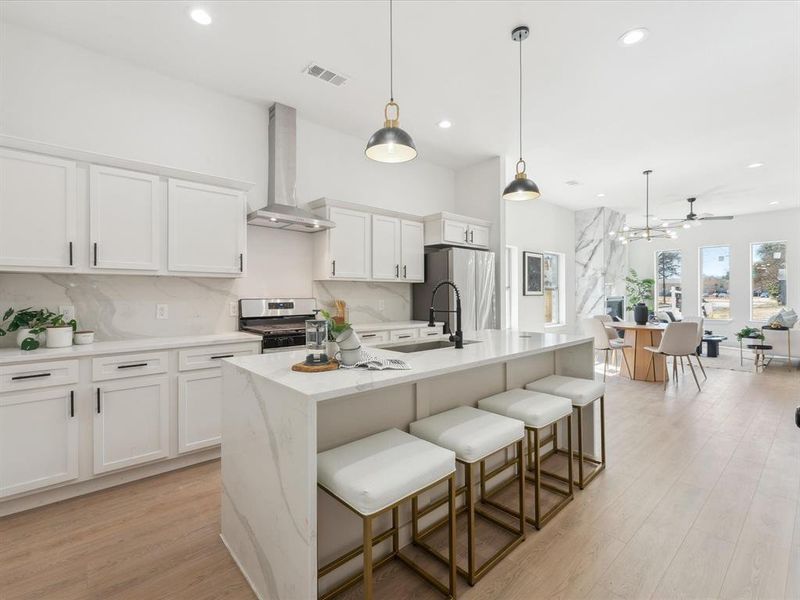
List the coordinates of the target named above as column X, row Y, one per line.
column 279, row 321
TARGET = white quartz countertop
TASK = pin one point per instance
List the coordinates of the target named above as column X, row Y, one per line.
column 391, row 325
column 494, row 346
column 15, row 355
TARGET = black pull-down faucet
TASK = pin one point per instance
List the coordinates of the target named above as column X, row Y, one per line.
column 456, row 337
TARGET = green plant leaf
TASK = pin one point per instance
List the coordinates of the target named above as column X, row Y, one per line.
column 8, row 313
column 29, row 344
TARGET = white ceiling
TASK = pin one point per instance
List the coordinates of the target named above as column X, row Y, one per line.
column 714, row 88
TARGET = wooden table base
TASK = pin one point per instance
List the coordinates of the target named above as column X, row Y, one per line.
column 639, row 358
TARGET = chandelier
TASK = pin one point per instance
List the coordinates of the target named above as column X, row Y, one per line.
column 648, row 232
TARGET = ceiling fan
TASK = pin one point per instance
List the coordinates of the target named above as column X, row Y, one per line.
column 693, row 217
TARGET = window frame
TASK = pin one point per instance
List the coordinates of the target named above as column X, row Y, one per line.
column 562, row 282
column 786, row 268
column 655, row 274
column 700, row 281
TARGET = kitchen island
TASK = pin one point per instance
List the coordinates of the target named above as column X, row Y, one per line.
column 275, row 421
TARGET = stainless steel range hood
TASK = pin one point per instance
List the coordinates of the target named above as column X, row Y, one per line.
column 281, row 211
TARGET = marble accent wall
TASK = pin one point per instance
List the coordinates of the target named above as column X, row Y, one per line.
column 119, row 307
column 601, row 262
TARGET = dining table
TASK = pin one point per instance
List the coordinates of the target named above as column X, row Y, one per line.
column 637, row 337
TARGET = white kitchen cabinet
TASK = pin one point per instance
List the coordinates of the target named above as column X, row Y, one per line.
column 386, row 248
column 413, row 251
column 398, row 335
column 370, row 338
column 37, row 210
column 131, row 422
column 206, row 228
column 199, row 409
column 38, row 439
column 447, row 229
column 123, row 219
column 344, row 252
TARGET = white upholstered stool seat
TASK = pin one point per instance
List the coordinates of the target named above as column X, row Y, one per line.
column 375, row 472
column 474, row 435
column 536, row 409
column 580, row 391
column 471, row 433
column 539, row 411
column 373, row 476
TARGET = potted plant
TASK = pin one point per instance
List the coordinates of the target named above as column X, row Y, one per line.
column 639, row 292
column 749, row 333
column 335, row 329
column 58, row 333
column 29, row 324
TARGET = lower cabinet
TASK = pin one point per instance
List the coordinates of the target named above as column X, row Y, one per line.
column 131, row 422
column 38, row 439
column 199, row 409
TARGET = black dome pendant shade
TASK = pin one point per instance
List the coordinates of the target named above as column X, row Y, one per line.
column 390, row 144
column 520, row 188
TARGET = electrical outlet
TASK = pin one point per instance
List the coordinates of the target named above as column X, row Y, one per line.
column 381, row 305
column 162, row 311
column 233, row 309
column 68, row 312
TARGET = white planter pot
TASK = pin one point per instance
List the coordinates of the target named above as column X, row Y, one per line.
column 59, row 337
column 23, row 333
column 83, row 337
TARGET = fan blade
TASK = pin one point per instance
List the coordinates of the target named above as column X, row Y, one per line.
column 725, row 218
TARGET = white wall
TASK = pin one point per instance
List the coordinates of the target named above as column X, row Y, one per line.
column 538, row 226
column 65, row 95
column 738, row 234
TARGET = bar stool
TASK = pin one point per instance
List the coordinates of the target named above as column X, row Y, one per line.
column 376, row 474
column 538, row 411
column 582, row 392
column 474, row 435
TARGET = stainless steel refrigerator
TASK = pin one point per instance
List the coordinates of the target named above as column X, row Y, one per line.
column 473, row 271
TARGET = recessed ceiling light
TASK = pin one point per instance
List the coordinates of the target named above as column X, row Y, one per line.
column 774, row 202
column 601, row 195
column 445, row 124
column 200, row 16
column 634, row 36
column 755, row 165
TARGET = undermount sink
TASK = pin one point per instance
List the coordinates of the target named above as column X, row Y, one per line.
column 422, row 346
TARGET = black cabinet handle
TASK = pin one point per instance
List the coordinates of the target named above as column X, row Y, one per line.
column 397, row 270
column 18, row 377
column 95, row 254
column 72, row 403
column 472, row 237
column 132, row 366
column 98, row 401
column 70, row 254
column 405, row 272
column 223, row 356
column 241, row 262
column 466, row 235
column 367, row 335
column 334, row 268
column 402, row 337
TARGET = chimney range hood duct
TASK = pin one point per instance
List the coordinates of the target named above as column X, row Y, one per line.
column 281, row 211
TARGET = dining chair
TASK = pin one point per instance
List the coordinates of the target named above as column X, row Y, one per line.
column 597, row 329
column 679, row 340
column 698, row 350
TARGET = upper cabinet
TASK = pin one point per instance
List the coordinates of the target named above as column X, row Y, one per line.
column 207, row 226
column 447, row 229
column 386, row 244
column 65, row 210
column 413, row 251
column 37, row 211
column 123, row 219
column 344, row 252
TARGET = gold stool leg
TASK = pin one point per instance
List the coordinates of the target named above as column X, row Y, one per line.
column 368, row 592
column 451, row 513
column 569, row 449
column 580, row 446
column 521, row 489
column 470, row 502
column 537, row 487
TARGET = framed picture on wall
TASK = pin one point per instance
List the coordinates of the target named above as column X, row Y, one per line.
column 532, row 274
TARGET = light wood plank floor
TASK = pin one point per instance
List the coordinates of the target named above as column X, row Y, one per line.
column 700, row 500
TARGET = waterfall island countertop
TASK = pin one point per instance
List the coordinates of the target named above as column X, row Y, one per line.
column 275, row 421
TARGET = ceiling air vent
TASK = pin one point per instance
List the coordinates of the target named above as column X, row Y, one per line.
column 332, row 77
column 572, row 182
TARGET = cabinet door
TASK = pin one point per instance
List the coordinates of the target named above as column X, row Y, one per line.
column 455, row 232
column 38, row 440
column 413, row 254
column 123, row 209
column 479, row 235
column 350, row 244
column 131, row 422
column 386, row 248
column 37, row 210
column 199, row 410
column 206, row 228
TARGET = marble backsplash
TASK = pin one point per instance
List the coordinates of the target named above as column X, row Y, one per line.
column 120, row 307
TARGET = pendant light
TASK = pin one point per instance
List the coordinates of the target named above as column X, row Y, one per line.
column 520, row 188
column 390, row 144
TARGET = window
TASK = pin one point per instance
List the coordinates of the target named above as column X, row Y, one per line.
column 715, row 278
column 668, row 280
column 768, row 279
column 552, row 276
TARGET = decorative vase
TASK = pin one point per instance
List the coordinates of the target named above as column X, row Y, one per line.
column 22, row 333
column 641, row 313
column 59, row 337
